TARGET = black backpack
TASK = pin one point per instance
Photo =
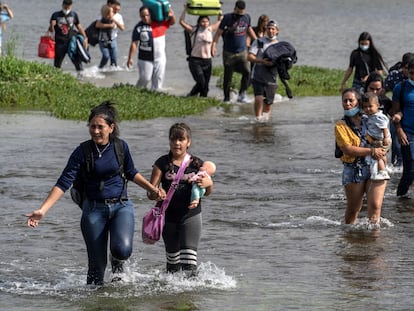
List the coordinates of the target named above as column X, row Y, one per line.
column 188, row 42
column 93, row 34
column 77, row 192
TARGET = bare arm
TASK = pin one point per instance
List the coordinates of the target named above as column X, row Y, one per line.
column 347, row 74
column 34, row 217
column 216, row 25
column 355, row 151
column 251, row 57
column 183, row 23
column 52, row 26
column 219, row 32
column 172, row 17
column 132, row 50
column 396, row 119
column 8, row 10
column 83, row 33
column 154, row 191
column 155, row 180
column 101, row 25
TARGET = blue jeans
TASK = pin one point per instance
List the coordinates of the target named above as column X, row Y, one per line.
column 100, row 221
column 396, row 156
column 407, row 176
column 108, row 52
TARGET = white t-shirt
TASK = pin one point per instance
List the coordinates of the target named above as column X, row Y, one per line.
column 119, row 19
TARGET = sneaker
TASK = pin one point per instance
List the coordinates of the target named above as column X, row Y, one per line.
column 117, row 269
column 117, row 265
column 226, row 100
column 242, row 98
column 80, row 75
column 404, row 197
column 259, row 119
column 382, row 175
column 265, row 117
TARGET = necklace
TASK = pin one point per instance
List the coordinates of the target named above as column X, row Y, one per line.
column 101, row 152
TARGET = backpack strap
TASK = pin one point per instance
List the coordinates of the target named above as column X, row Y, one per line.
column 87, row 150
column 120, row 155
column 402, row 95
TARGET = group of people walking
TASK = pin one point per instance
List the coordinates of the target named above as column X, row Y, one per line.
column 363, row 136
column 243, row 49
column 373, row 124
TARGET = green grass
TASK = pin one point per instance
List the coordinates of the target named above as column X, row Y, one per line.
column 26, row 85
column 33, row 86
column 304, row 81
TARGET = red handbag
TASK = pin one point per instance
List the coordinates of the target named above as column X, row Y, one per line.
column 46, row 48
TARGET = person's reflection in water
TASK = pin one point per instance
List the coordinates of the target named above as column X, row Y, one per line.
column 263, row 133
column 364, row 264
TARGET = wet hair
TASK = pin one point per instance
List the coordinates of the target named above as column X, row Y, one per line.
column 201, row 17
column 372, row 50
column 107, row 111
column 374, row 77
column 179, row 130
column 369, row 96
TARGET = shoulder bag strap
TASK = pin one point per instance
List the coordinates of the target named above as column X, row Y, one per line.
column 402, row 95
column 174, row 184
column 365, row 63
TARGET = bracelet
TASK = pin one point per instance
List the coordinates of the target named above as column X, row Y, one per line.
column 372, row 152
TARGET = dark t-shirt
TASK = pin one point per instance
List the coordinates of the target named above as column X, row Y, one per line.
column 364, row 64
column 143, row 33
column 64, row 25
column 178, row 208
column 235, row 29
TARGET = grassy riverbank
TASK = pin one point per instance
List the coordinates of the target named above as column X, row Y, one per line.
column 34, row 86
column 304, row 81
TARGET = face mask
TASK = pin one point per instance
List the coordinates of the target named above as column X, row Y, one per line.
column 351, row 112
column 411, row 81
column 364, row 47
column 66, row 12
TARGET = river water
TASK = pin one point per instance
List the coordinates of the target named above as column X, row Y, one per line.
column 273, row 235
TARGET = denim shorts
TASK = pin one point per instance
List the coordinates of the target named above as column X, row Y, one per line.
column 355, row 173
